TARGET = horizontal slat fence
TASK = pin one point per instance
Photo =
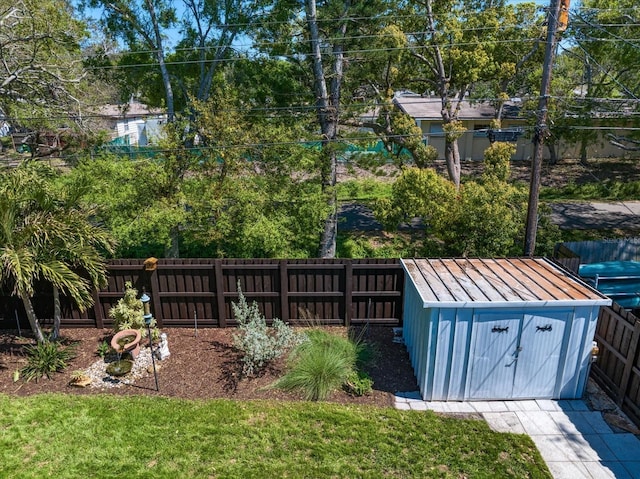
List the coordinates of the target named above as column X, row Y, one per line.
column 605, row 250
column 617, row 369
column 339, row 291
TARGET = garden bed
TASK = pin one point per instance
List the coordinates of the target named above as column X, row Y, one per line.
column 202, row 367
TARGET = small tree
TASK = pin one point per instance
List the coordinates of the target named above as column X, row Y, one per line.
column 46, row 235
column 128, row 313
column 497, row 160
column 418, row 192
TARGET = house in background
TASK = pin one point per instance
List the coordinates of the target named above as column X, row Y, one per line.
column 476, row 118
column 134, row 123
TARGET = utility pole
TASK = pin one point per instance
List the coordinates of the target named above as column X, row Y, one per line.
column 541, row 128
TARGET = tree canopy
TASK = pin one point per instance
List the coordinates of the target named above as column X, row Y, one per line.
column 266, row 100
column 41, row 71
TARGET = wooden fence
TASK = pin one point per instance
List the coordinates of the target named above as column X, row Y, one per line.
column 617, row 369
column 185, row 290
column 567, row 258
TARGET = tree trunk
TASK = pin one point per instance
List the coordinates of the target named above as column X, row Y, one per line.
column 452, row 156
column 57, row 314
column 583, row 151
column 330, row 232
column 166, row 80
column 553, row 156
column 327, row 105
column 173, row 250
column 31, row 315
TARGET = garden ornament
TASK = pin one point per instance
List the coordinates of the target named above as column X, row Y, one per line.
column 163, row 350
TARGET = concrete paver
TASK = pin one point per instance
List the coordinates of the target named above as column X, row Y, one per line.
column 575, row 442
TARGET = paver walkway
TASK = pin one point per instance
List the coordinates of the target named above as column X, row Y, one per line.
column 575, row 442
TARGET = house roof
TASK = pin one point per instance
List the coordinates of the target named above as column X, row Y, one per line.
column 504, row 282
column 129, row 110
column 429, row 108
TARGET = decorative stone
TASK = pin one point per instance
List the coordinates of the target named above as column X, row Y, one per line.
column 81, row 382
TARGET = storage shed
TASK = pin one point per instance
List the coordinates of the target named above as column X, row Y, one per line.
column 479, row 329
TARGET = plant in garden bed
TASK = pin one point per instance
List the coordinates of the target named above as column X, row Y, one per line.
column 128, row 313
column 258, row 342
column 46, row 358
column 103, row 349
column 325, row 363
column 358, row 383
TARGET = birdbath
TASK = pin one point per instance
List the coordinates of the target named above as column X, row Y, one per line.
column 127, row 341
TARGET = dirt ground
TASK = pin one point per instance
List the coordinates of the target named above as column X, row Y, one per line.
column 562, row 173
column 202, row 367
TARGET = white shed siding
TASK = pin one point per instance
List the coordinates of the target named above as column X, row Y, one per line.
column 578, row 352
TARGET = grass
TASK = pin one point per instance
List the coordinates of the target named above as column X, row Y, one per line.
column 101, row 436
column 596, row 235
column 368, row 189
column 606, row 190
column 322, row 364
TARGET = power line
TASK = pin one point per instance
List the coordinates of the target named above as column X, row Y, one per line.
column 253, row 45
column 259, row 111
column 299, row 55
column 603, row 70
column 329, row 20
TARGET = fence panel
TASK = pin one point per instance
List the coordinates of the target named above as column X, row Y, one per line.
column 339, row 291
column 604, row 250
column 617, row 369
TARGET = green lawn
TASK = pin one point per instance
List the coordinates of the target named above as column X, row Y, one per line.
column 105, row 436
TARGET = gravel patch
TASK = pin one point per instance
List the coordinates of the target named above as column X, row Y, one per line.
column 101, row 379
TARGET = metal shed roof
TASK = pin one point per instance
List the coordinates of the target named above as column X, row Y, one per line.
column 503, row 282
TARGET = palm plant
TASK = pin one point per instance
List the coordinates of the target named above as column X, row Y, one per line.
column 45, row 234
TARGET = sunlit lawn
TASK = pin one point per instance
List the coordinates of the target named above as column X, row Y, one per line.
column 104, row 436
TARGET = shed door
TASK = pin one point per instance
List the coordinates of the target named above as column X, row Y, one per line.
column 493, row 365
column 541, row 346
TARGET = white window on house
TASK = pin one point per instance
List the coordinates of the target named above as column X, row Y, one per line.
column 126, row 125
column 480, row 130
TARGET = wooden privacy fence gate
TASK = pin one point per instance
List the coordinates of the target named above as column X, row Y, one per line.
column 617, row 369
column 185, row 290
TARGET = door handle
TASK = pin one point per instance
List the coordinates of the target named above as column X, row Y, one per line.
column 515, row 357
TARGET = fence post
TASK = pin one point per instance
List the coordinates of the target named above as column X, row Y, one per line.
column 348, row 292
column 97, row 309
column 285, row 314
column 222, row 320
column 155, row 295
column 630, row 360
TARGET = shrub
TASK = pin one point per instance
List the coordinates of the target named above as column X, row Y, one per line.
column 46, row 358
column 323, row 364
column 128, row 313
column 103, row 349
column 358, row 383
column 497, row 158
column 259, row 343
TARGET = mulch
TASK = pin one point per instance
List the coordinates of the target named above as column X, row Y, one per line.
column 203, row 366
